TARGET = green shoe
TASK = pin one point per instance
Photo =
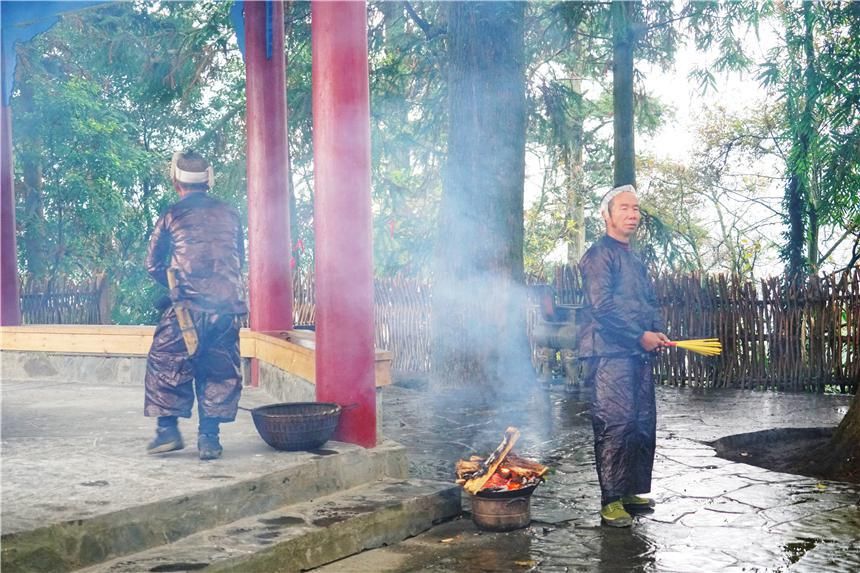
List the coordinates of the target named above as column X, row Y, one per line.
column 637, row 503
column 613, row 515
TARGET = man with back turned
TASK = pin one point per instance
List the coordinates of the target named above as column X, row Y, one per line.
column 199, row 240
column 622, row 329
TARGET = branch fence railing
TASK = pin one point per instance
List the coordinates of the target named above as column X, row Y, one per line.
column 776, row 334
column 802, row 336
column 62, row 302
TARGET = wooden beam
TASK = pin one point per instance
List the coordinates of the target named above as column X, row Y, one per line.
column 292, row 351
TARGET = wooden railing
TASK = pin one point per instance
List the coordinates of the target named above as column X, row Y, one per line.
column 776, row 334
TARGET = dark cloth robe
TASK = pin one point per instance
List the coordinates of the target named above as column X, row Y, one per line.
column 620, row 306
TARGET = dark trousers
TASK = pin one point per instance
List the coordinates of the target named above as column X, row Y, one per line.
column 624, row 418
column 214, row 373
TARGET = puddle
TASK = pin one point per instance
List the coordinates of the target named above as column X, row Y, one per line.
column 437, row 431
column 175, row 567
column 796, row 550
column 268, row 535
column 283, row 521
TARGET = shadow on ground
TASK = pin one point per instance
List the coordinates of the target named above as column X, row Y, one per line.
column 789, row 450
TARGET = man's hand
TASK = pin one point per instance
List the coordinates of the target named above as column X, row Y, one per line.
column 653, row 341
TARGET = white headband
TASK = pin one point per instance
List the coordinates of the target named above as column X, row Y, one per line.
column 612, row 194
column 190, row 176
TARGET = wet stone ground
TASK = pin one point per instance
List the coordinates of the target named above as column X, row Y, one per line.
column 712, row 514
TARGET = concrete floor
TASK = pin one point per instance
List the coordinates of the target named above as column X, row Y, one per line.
column 73, row 451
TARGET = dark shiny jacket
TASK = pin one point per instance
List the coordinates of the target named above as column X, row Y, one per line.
column 202, row 237
column 620, row 302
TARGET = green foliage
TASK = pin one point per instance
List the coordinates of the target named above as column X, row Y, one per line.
column 102, row 100
column 408, row 86
column 574, row 40
column 813, row 72
column 105, row 96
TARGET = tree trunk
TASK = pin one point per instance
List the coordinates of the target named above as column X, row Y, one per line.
column 809, row 129
column 478, row 317
column 793, row 202
column 845, row 444
column 798, row 201
column 33, row 234
column 396, row 109
column 622, row 93
column 812, row 238
column 575, row 184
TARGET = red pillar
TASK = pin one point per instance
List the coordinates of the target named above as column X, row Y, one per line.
column 342, row 217
column 10, row 309
column 269, row 281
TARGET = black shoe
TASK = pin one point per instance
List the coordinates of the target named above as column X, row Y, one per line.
column 167, row 439
column 209, row 447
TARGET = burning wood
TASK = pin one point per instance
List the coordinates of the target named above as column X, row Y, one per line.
column 501, row 471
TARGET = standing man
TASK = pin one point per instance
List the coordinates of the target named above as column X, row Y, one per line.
column 622, row 329
column 198, row 240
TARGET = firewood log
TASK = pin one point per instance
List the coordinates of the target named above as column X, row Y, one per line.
column 465, row 468
column 519, row 465
column 492, row 463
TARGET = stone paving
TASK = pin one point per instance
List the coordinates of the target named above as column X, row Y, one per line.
column 712, row 514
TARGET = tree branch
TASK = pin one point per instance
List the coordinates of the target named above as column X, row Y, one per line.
column 430, row 31
column 829, row 252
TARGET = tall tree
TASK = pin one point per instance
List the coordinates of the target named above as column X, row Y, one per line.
column 624, row 35
column 478, row 318
column 813, row 71
column 568, row 113
column 652, row 30
column 802, row 245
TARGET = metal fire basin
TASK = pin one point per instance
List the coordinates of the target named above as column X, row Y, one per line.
column 502, row 511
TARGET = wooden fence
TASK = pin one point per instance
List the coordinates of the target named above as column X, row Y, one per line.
column 792, row 337
column 802, row 336
column 62, row 302
column 402, row 318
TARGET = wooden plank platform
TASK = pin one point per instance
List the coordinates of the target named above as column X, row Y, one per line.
column 291, row 350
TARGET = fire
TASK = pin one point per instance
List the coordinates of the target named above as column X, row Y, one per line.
column 501, row 471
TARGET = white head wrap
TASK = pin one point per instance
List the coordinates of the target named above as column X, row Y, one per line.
column 191, row 176
column 182, row 176
column 612, row 194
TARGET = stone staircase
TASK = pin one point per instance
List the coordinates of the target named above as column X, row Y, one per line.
column 325, row 506
column 304, row 535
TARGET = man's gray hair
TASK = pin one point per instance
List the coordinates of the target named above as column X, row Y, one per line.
column 612, row 194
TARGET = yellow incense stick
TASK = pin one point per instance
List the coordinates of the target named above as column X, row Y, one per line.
column 703, row 346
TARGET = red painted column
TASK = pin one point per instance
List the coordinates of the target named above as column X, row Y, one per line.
column 10, row 303
column 269, row 279
column 342, row 217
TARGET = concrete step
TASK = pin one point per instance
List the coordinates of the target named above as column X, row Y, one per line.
column 183, row 505
column 301, row 536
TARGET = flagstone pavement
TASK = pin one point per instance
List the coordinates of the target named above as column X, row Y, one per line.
column 711, row 514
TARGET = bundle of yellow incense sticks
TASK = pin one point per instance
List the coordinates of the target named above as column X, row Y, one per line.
column 703, row 346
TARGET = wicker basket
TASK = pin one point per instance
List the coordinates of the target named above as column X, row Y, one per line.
column 294, row 426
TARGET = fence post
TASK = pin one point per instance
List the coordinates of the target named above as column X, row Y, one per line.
column 105, row 298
